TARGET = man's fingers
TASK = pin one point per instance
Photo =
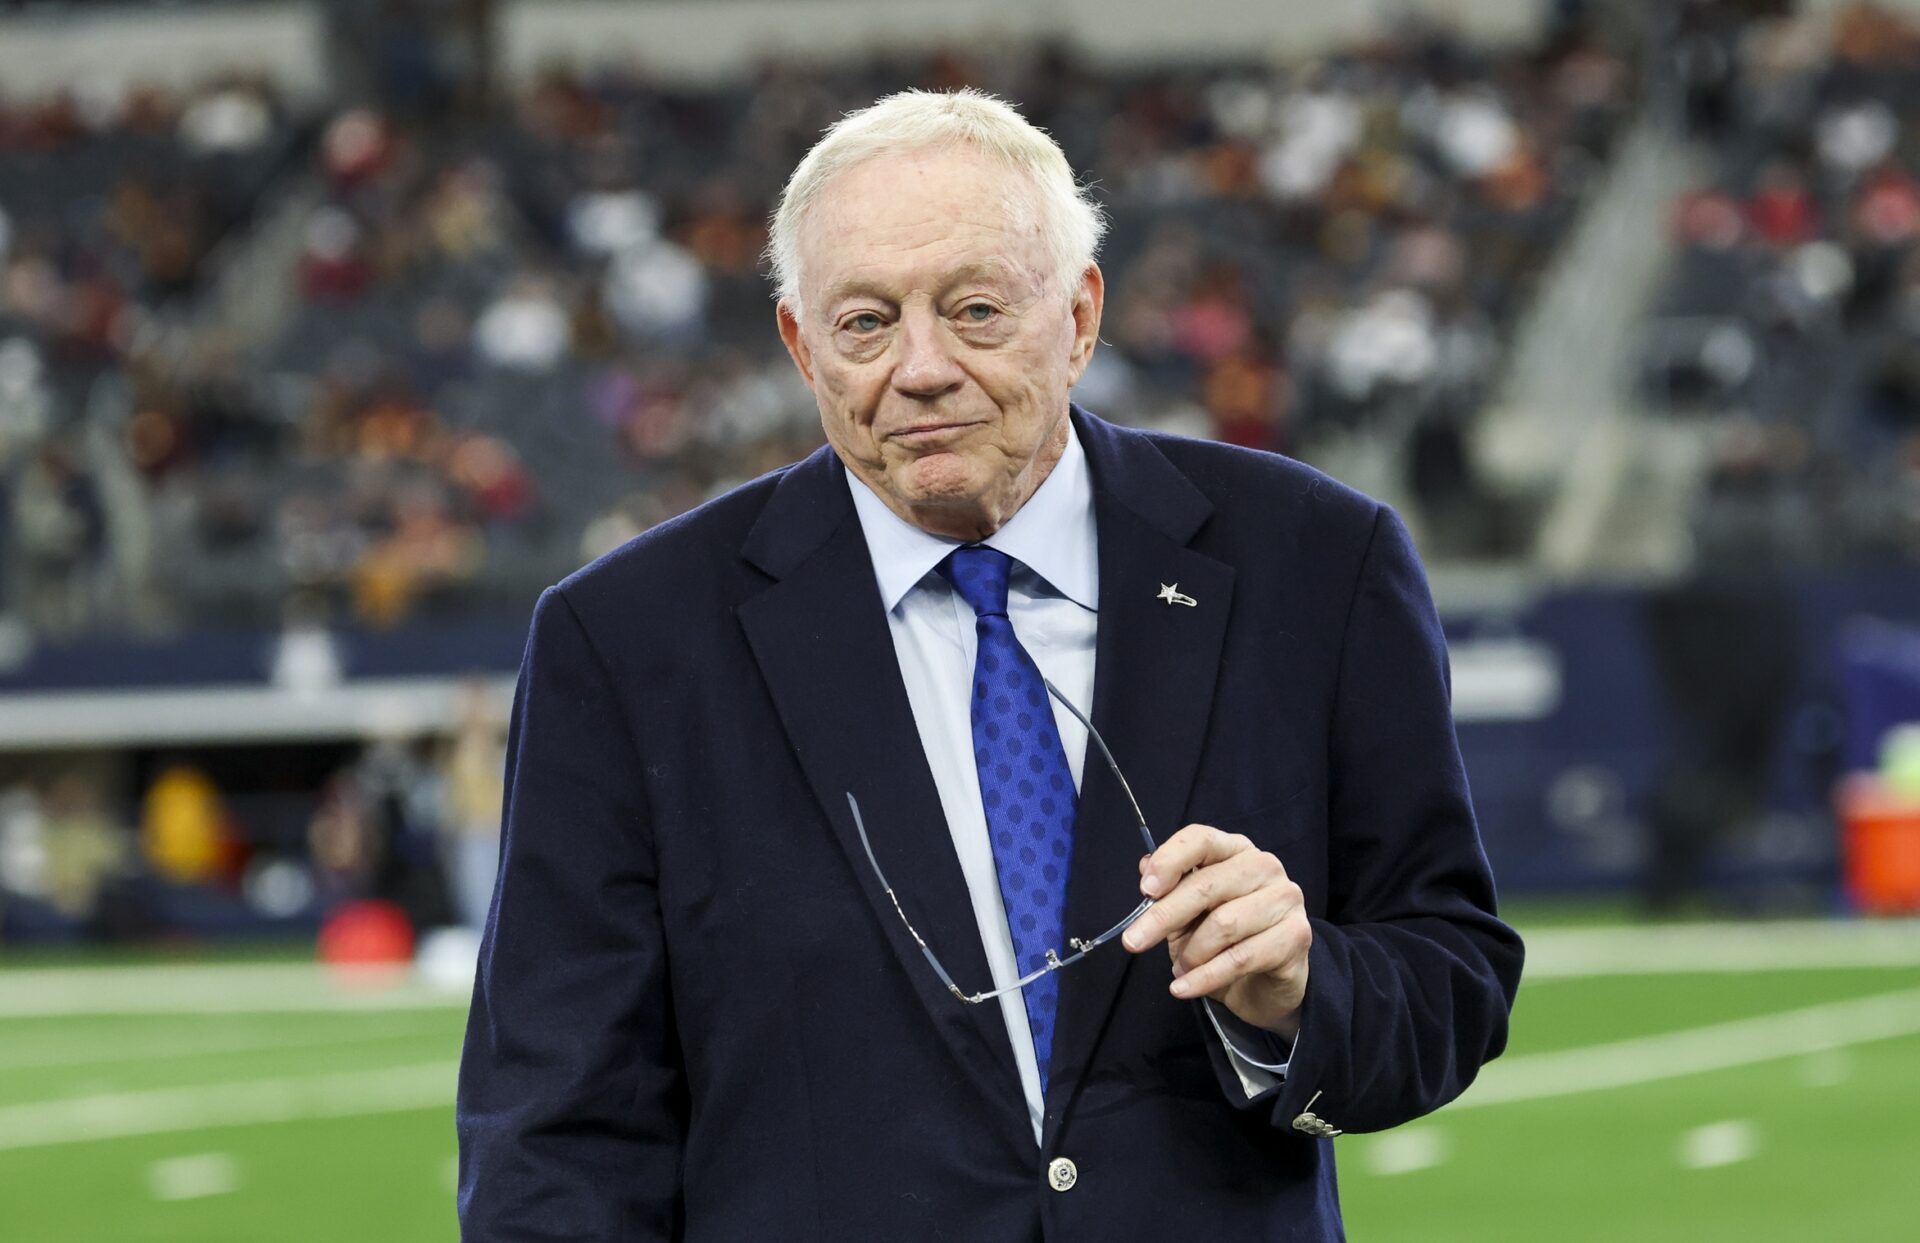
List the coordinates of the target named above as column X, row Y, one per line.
column 1281, row 950
column 1201, row 891
column 1238, row 920
column 1195, row 846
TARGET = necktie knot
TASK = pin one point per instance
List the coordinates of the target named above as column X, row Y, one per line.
column 980, row 575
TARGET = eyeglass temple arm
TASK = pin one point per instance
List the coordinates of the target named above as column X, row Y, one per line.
column 1112, row 764
column 861, row 827
column 1146, row 835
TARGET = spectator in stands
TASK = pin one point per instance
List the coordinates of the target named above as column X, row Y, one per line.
column 425, row 549
column 525, row 329
column 1782, row 210
column 358, row 146
column 442, row 349
column 235, row 117
column 59, row 532
column 1798, row 253
column 26, row 405
column 334, row 267
column 498, row 487
column 463, row 213
column 658, row 292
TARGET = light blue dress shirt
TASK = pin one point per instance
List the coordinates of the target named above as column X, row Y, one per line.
column 1052, row 601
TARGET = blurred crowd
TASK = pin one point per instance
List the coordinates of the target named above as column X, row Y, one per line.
column 118, row 206
column 411, row 822
column 1792, row 319
column 513, row 338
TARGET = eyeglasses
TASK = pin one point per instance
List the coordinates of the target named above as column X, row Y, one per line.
column 1053, row 960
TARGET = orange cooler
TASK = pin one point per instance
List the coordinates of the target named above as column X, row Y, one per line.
column 1881, row 836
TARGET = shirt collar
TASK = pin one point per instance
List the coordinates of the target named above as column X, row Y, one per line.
column 1052, row 535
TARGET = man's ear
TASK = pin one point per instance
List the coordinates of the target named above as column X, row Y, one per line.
column 1088, row 302
column 783, row 313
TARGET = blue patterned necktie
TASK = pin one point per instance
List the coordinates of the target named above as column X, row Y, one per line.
column 1026, row 787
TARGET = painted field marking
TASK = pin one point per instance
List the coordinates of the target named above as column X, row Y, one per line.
column 1564, row 954
column 1719, row 1143
column 1684, row 949
column 1696, row 1050
column 193, row 1178
column 1828, row 1068
column 403, row 1089
column 1407, row 1150
column 212, row 988
column 70, row 1049
column 117, row 1115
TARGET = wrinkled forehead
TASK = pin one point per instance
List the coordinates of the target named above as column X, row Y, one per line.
column 917, row 220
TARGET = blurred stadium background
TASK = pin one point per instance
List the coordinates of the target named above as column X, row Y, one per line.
column 331, row 333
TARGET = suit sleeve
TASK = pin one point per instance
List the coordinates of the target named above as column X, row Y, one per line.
column 572, row 1102
column 1411, row 975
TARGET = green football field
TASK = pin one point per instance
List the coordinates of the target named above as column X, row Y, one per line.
column 1688, row 1082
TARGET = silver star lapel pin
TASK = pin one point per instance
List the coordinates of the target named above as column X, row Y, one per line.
column 1171, row 593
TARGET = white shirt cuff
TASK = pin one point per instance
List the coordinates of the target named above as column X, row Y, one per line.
column 1255, row 1075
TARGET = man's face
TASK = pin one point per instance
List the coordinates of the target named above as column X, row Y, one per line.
column 936, row 337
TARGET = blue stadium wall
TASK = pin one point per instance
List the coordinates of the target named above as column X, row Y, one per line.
column 1562, row 775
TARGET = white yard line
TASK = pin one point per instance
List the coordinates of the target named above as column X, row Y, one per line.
column 1552, row 955
column 117, row 1115
column 211, row 988
column 1696, row 1050
column 1671, row 949
column 399, row 1089
column 69, row 1048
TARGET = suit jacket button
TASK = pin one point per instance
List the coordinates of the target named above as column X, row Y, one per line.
column 1061, row 1174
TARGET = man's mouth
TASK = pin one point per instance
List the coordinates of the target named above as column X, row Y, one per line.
column 930, row 433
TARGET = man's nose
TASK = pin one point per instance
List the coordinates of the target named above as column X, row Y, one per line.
column 926, row 366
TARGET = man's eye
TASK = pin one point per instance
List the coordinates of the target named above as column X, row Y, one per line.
column 865, row 321
column 978, row 312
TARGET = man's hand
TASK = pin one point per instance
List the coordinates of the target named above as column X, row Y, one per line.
column 1235, row 925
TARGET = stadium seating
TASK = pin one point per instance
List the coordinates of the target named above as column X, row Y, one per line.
column 516, row 339
column 1789, row 317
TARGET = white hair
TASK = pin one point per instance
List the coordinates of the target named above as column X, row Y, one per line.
column 1071, row 223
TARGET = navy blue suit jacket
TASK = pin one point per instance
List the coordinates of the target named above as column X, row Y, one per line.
column 697, row 1016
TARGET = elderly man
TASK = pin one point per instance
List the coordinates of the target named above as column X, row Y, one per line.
column 823, row 913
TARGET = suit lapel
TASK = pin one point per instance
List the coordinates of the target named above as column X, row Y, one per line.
column 821, row 640
column 1156, row 663
column 822, row 644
